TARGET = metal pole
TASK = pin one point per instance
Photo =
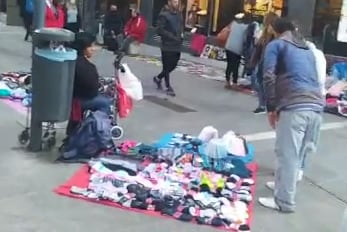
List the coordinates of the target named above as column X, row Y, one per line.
column 36, row 125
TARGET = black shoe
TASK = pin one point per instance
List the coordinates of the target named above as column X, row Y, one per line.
column 157, row 81
column 259, row 110
column 170, row 92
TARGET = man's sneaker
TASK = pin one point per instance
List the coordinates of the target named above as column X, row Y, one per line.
column 270, row 185
column 157, row 81
column 268, row 203
column 259, row 110
column 170, row 92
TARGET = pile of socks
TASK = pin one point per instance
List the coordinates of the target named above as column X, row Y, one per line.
column 186, row 193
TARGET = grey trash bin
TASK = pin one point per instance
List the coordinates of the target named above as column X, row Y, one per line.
column 52, row 75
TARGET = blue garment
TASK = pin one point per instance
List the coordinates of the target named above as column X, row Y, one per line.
column 339, row 71
column 290, row 76
column 29, row 6
column 98, row 103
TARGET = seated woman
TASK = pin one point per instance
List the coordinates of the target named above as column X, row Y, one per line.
column 86, row 85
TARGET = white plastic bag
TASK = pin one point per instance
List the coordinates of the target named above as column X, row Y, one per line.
column 131, row 84
column 234, row 144
column 208, row 133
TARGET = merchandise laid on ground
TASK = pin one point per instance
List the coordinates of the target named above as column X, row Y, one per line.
column 15, row 88
column 336, row 90
column 204, row 179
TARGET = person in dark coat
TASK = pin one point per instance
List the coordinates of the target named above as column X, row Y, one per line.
column 86, row 85
column 113, row 26
column 170, row 29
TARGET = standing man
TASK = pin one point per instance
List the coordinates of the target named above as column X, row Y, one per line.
column 170, row 29
column 294, row 105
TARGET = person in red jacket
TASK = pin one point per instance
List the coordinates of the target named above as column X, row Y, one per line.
column 55, row 16
column 134, row 30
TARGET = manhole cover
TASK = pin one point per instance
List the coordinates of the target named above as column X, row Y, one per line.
column 167, row 104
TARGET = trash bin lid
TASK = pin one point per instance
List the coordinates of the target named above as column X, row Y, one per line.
column 54, row 34
column 57, row 55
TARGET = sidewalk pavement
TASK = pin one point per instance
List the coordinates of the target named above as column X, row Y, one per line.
column 27, row 180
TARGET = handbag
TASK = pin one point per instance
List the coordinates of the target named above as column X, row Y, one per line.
column 223, row 35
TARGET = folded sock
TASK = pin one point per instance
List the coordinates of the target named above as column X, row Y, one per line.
column 217, row 222
column 244, row 228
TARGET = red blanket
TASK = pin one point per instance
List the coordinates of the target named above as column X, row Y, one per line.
column 81, row 179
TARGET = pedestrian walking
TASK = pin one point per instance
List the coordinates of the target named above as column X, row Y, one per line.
column 234, row 48
column 294, row 104
column 26, row 8
column 72, row 19
column 170, row 29
column 55, row 16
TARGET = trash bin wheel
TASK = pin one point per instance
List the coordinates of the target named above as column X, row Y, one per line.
column 24, row 137
column 117, row 132
column 49, row 142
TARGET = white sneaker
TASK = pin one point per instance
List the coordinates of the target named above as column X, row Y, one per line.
column 270, row 185
column 300, row 175
column 268, row 203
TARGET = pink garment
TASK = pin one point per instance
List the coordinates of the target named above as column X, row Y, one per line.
column 127, row 145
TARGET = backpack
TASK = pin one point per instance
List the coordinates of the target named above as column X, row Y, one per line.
column 92, row 137
column 29, row 6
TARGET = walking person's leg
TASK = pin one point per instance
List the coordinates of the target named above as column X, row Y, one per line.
column 235, row 67
column 290, row 133
column 171, row 66
column 27, row 25
column 260, row 91
column 228, row 69
column 165, row 60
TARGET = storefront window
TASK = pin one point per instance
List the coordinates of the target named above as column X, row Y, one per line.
column 262, row 7
column 196, row 13
column 326, row 13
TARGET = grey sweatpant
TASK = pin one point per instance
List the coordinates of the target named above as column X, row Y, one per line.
column 297, row 134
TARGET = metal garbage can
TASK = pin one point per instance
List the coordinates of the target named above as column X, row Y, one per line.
column 52, row 74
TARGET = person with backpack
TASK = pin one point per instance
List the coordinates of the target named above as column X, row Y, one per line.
column 170, row 29
column 295, row 104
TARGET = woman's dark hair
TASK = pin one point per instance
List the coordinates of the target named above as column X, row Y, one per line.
column 282, row 25
column 82, row 41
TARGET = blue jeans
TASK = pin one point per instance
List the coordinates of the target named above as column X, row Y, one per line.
column 257, row 85
column 99, row 102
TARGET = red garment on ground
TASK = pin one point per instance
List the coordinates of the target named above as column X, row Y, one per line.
column 52, row 20
column 136, row 28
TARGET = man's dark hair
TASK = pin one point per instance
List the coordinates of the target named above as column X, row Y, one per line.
column 82, row 41
column 282, row 25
